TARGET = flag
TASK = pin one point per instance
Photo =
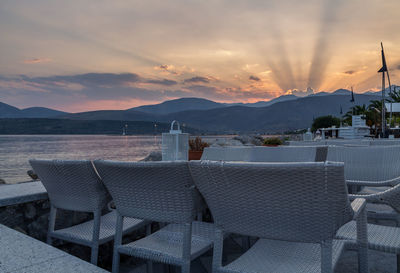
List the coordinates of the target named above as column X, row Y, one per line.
column 384, row 67
column 352, row 95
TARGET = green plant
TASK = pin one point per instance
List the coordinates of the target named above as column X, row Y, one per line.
column 197, row 144
column 325, row 122
column 273, row 141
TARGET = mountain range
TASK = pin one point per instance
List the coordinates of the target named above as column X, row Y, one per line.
column 284, row 113
column 8, row 111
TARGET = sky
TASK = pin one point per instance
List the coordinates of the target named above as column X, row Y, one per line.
column 101, row 54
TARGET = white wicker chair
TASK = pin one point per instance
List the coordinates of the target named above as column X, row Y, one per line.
column 385, row 142
column 372, row 170
column 374, row 166
column 75, row 186
column 380, row 238
column 295, row 209
column 288, row 154
column 161, row 192
column 227, row 153
column 266, row 154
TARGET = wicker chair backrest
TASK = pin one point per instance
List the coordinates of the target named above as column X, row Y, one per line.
column 302, row 202
column 71, row 184
column 284, row 154
column 157, row 191
column 266, row 154
column 227, row 153
column 373, row 163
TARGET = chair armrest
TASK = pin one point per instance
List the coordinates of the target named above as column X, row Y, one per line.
column 369, row 198
column 388, row 197
column 360, row 215
column 384, row 183
column 358, row 206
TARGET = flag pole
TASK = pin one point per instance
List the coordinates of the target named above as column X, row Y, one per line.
column 383, row 70
column 390, row 92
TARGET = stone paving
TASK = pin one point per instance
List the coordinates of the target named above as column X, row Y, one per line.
column 22, row 254
column 379, row 262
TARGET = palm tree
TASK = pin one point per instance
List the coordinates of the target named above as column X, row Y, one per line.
column 395, row 95
column 355, row 110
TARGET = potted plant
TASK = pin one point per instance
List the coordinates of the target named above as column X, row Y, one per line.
column 273, row 141
column 196, row 147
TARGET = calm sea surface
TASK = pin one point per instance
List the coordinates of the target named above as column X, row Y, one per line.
column 15, row 151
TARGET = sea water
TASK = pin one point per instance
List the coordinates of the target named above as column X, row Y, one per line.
column 16, row 150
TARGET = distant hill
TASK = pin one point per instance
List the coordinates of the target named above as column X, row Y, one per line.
column 178, row 105
column 40, row 112
column 42, row 126
column 281, row 114
column 8, row 111
column 265, row 103
column 111, row 115
column 277, row 118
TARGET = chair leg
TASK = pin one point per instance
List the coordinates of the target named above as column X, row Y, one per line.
column 149, row 266
column 398, row 263
column 52, row 221
column 362, row 243
column 218, row 250
column 187, row 246
column 186, row 268
column 167, row 268
column 115, row 262
column 117, row 243
column 95, row 238
column 326, row 256
column 94, row 254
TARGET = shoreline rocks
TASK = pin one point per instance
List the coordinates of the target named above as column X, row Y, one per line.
column 32, row 175
column 153, row 156
column 255, row 140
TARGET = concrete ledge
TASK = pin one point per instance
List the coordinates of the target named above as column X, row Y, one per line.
column 15, row 194
column 21, row 253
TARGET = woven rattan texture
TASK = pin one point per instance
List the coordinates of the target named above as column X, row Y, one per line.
column 303, row 202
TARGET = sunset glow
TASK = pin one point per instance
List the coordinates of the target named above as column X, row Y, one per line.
column 89, row 55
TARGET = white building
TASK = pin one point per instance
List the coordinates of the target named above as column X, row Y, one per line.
column 357, row 130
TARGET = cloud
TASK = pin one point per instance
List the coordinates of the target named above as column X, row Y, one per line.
column 92, row 89
column 93, row 79
column 37, row 61
column 254, row 78
column 197, row 79
column 228, row 94
column 110, row 80
column 163, row 82
column 322, row 50
column 301, row 93
column 167, row 68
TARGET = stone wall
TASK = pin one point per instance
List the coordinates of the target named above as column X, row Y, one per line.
column 32, row 218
